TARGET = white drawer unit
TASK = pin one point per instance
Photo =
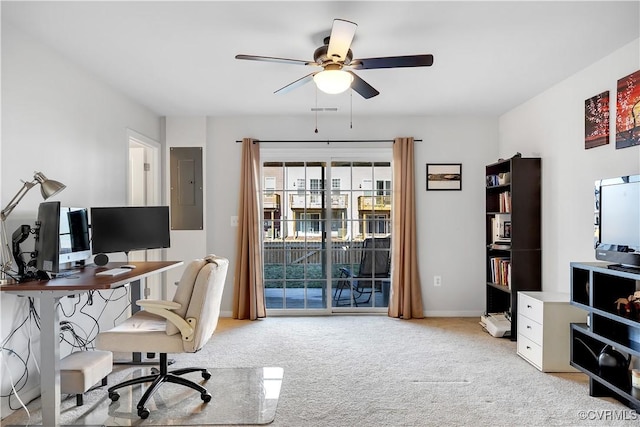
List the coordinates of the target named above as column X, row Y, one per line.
column 543, row 329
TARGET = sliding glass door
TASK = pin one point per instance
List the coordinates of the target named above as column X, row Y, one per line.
column 361, row 235
column 326, row 235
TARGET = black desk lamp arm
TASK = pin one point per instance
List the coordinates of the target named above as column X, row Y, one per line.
column 19, row 236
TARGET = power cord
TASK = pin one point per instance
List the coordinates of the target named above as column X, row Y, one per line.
column 13, row 388
column 82, row 340
column 17, row 386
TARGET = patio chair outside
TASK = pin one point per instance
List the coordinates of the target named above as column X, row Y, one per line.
column 375, row 263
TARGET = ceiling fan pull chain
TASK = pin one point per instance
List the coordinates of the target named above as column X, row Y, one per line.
column 351, row 109
column 316, row 131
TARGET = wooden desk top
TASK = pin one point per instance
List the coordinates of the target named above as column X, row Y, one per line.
column 86, row 279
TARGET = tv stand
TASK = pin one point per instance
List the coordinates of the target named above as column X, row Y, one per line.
column 626, row 268
column 595, row 288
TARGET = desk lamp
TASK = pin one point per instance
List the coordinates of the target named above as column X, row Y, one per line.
column 48, row 188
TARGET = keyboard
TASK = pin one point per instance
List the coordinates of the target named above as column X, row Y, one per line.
column 113, row 272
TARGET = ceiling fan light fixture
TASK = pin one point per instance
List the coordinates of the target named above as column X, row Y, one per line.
column 333, row 81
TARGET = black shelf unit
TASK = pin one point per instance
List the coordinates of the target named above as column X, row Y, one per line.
column 513, row 193
column 596, row 288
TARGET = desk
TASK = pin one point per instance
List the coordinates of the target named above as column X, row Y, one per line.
column 49, row 292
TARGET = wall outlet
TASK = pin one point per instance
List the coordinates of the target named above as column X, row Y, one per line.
column 437, row 280
column 234, row 221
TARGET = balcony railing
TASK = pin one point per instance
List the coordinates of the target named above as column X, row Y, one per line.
column 271, row 201
column 310, row 252
column 314, row 201
column 376, row 203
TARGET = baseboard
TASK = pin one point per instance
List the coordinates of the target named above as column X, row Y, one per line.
column 452, row 313
column 427, row 313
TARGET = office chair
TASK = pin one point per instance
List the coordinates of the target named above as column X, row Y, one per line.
column 183, row 325
column 375, row 262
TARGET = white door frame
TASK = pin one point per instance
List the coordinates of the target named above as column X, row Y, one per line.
column 144, row 188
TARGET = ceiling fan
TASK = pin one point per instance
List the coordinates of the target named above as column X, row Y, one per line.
column 336, row 59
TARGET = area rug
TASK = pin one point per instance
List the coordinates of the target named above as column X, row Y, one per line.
column 240, row 396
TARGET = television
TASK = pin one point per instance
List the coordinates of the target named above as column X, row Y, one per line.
column 62, row 237
column 129, row 228
column 617, row 221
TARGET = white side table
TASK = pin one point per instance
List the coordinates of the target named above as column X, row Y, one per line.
column 543, row 329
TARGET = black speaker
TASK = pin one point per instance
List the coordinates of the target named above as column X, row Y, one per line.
column 101, row 259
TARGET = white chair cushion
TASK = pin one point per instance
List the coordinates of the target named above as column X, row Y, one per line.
column 184, row 291
column 142, row 332
column 205, row 301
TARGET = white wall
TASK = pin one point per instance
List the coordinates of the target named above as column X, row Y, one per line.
column 450, row 223
column 551, row 126
column 61, row 121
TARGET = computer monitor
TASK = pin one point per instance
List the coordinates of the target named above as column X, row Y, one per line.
column 129, row 228
column 62, row 237
column 75, row 244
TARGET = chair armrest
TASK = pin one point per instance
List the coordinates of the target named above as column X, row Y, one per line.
column 345, row 272
column 162, row 308
column 158, row 303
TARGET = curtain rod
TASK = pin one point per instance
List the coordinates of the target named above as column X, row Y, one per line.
column 330, row 140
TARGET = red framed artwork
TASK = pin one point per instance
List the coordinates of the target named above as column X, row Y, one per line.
column 596, row 120
column 628, row 111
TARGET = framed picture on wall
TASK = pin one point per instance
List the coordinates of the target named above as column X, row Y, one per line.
column 444, row 176
column 628, row 111
column 596, row 120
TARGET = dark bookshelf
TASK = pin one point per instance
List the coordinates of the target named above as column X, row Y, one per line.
column 513, row 193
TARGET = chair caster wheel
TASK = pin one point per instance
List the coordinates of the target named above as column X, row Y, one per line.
column 206, row 375
column 143, row 413
column 206, row 397
column 114, row 396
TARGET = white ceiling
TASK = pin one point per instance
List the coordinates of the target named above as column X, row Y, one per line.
column 177, row 57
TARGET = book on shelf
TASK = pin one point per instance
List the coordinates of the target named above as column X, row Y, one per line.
column 504, row 201
column 501, row 271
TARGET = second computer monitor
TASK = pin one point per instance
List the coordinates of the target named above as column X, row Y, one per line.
column 62, row 237
column 129, row 228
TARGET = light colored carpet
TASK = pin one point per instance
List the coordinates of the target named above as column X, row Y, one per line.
column 378, row 371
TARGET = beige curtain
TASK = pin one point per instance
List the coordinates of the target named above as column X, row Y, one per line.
column 406, row 297
column 248, row 289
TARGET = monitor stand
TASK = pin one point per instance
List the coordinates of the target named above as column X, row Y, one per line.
column 65, row 273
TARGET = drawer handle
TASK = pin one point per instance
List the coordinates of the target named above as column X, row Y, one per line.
column 528, row 348
column 528, row 327
column 528, row 306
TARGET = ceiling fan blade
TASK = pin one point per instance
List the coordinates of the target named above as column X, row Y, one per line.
column 274, row 59
column 293, row 85
column 392, row 62
column 340, row 39
column 363, row 88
